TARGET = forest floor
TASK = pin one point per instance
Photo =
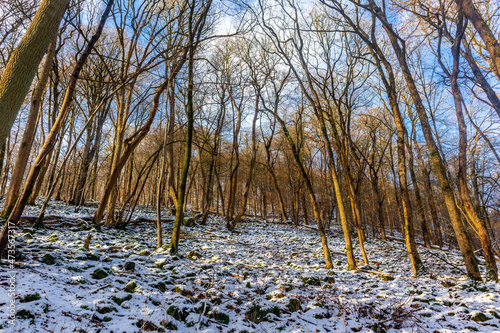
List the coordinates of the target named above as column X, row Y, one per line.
column 266, row 277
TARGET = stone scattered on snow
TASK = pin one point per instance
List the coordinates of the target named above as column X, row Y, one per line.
column 264, row 278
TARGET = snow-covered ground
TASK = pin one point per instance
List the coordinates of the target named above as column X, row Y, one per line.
column 266, row 277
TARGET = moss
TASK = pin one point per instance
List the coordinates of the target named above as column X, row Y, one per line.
column 160, row 263
column 131, row 286
column 169, row 325
column 480, row 317
column 174, row 312
column 294, row 305
column 494, row 314
column 25, row 314
column 194, row 255
column 161, row 286
column 120, row 300
column 30, row 298
column 221, row 317
column 99, row 274
column 310, row 281
column 256, row 313
column 48, row 259
column 148, row 326
column 93, row 257
column 106, row 309
column 53, row 238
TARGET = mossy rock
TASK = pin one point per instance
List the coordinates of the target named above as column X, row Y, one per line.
column 202, row 307
column 480, row 317
column 221, row 317
column 169, row 325
column 144, row 253
column 176, row 313
column 188, row 222
column 106, row 309
column 160, row 263
column 310, row 280
column 25, row 314
column 194, row 255
column 494, row 314
column 258, row 313
column 85, row 227
column 131, row 286
column 448, row 284
column 148, row 326
column 74, row 269
column 129, row 266
column 99, row 274
column 182, row 290
column 30, row 298
column 294, row 305
column 161, row 286
column 53, row 238
column 93, row 257
column 387, row 277
column 48, row 259
column 329, row 279
column 120, row 300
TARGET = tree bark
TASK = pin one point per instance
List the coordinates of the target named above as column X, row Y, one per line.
column 22, row 66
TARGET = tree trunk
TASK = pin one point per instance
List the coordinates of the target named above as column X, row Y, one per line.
column 22, row 66
column 23, row 154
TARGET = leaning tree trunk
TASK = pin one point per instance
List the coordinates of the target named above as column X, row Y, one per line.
column 484, row 30
column 51, row 139
column 466, row 248
column 22, row 66
column 492, row 270
column 23, row 153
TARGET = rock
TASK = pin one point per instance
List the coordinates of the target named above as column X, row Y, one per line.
column 30, row 298
column 329, row 279
column 144, row 253
column 221, row 317
column 106, row 309
column 148, row 326
column 48, row 259
column 160, row 286
column 182, row 290
column 170, row 267
column 310, row 280
column 25, row 314
column 131, row 286
column 169, row 325
column 99, row 274
column 129, row 266
column 174, row 312
column 91, row 256
column 259, row 309
column 193, row 255
column 119, row 300
column 188, row 222
column 161, row 262
column 479, row 317
column 294, row 305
